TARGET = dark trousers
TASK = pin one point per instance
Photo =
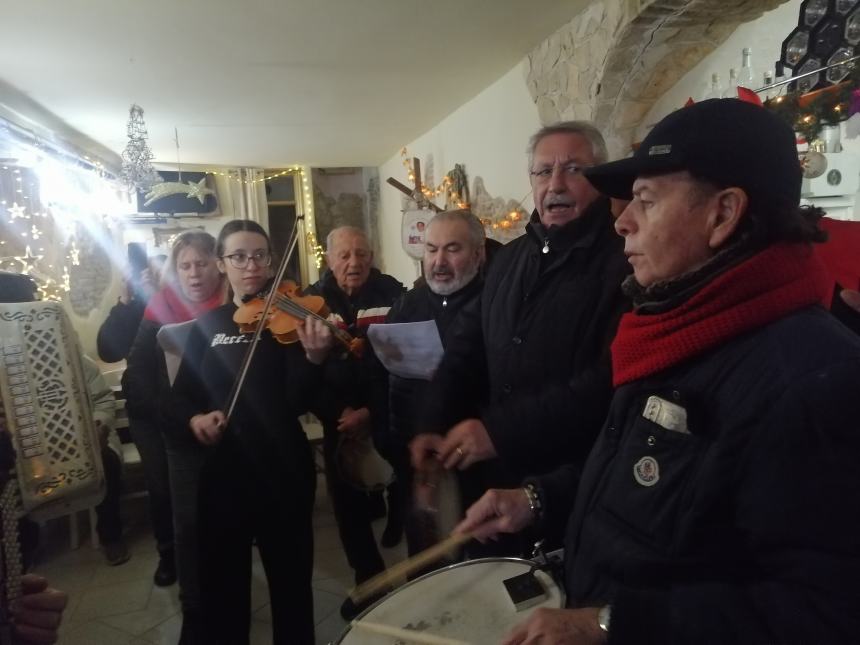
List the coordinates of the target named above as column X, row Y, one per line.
column 352, row 511
column 153, row 456
column 184, row 464
column 108, row 520
column 238, row 505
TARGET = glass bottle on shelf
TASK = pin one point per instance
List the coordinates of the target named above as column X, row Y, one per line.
column 715, row 90
column 780, row 77
column 747, row 76
column 767, row 79
column 731, row 91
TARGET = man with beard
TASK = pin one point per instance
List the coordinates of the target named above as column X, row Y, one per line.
column 358, row 295
column 715, row 506
column 532, row 354
column 453, row 256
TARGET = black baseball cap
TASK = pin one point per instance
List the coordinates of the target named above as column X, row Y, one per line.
column 728, row 142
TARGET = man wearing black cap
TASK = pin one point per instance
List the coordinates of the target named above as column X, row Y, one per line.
column 715, row 506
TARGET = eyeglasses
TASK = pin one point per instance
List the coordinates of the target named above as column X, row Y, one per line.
column 542, row 175
column 240, row 260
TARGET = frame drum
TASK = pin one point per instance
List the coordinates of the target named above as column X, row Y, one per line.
column 466, row 601
column 361, row 466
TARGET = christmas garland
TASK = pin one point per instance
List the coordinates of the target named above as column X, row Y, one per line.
column 809, row 113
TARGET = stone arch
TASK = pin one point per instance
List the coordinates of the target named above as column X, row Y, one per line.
column 616, row 58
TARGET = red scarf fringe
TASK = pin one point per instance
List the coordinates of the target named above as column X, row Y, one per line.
column 167, row 306
column 768, row 286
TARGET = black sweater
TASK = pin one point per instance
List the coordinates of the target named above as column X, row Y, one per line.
column 277, row 390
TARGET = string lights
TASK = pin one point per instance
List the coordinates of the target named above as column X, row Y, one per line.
column 47, row 201
column 498, row 220
column 809, row 113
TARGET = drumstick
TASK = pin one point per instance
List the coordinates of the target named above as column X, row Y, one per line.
column 400, row 570
column 407, row 635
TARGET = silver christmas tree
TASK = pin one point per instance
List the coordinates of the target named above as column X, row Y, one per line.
column 137, row 170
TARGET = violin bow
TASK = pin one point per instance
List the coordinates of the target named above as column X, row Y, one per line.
column 261, row 324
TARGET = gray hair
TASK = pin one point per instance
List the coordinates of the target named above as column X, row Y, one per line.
column 344, row 229
column 476, row 229
column 585, row 129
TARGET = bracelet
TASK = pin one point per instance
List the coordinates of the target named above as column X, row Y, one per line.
column 533, row 497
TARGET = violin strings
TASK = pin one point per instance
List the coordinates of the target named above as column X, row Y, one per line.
column 287, row 304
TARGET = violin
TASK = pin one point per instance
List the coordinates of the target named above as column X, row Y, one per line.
column 289, row 309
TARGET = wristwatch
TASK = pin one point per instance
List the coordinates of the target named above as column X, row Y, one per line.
column 604, row 615
column 535, row 502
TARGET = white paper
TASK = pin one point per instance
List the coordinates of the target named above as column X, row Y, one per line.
column 408, row 350
column 172, row 339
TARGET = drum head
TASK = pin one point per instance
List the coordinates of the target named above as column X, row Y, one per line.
column 466, row 601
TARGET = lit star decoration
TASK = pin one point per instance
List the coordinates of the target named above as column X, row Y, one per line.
column 28, row 260
column 198, row 190
column 75, row 254
column 17, row 211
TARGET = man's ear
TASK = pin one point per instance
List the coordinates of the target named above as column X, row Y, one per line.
column 730, row 207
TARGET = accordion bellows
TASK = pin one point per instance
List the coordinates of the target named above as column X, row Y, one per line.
column 45, row 406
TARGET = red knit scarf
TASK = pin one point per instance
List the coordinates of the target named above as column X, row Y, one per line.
column 167, row 306
column 764, row 288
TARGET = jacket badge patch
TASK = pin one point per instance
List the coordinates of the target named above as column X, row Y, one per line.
column 647, row 471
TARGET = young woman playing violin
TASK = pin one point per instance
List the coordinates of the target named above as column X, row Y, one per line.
column 258, row 479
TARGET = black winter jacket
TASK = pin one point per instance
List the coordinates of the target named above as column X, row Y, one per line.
column 348, row 380
column 403, row 395
column 534, row 350
column 145, row 380
column 750, row 532
column 118, row 331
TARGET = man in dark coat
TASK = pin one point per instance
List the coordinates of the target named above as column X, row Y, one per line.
column 454, row 252
column 532, row 354
column 715, row 506
column 358, row 295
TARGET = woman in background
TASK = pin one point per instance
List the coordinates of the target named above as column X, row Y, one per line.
column 193, row 286
column 258, row 479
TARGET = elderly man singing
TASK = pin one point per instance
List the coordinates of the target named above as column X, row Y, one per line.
column 715, row 506
column 525, row 380
column 358, row 295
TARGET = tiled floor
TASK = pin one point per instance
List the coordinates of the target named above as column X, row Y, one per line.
column 121, row 606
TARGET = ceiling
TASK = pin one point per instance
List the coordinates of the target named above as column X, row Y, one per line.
column 266, row 83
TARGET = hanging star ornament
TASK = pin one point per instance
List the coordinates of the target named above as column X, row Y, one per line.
column 17, row 211
column 28, row 260
column 199, row 190
column 190, row 189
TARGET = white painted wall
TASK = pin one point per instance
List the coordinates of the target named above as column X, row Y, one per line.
column 488, row 134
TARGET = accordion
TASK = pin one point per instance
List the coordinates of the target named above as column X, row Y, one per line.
column 45, row 407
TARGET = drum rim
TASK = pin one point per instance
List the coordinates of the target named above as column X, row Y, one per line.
column 430, row 574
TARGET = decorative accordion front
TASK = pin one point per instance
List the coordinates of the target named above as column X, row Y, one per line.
column 45, row 406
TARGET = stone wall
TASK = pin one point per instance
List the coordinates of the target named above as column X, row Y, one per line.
column 612, row 62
